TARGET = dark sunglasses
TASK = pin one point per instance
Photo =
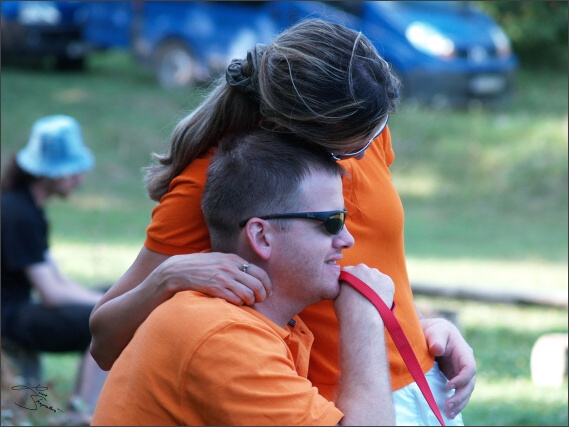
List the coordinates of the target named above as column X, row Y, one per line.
column 333, row 220
column 365, row 147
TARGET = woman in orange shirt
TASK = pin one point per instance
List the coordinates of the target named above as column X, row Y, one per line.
column 328, row 85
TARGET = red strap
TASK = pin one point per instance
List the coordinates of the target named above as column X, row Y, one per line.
column 399, row 338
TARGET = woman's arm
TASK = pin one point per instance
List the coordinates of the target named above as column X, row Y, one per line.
column 152, row 279
column 123, row 308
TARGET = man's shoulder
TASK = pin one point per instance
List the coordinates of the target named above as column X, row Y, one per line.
column 204, row 312
column 191, row 321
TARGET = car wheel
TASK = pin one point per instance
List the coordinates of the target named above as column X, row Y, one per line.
column 174, row 65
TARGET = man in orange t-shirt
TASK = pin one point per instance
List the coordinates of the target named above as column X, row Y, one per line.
column 199, row 360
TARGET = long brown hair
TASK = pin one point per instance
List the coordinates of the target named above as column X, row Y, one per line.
column 318, row 80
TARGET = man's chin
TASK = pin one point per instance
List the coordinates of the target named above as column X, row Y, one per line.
column 334, row 291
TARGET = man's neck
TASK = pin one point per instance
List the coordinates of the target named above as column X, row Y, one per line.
column 278, row 310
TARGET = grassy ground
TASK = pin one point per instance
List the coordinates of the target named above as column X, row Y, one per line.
column 485, row 195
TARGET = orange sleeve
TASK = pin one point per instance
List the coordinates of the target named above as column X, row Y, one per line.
column 178, row 225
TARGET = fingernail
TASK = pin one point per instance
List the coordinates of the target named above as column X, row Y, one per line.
column 452, row 414
column 451, row 405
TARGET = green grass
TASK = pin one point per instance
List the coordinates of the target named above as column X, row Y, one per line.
column 485, row 196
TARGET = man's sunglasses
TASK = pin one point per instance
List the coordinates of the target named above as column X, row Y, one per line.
column 365, row 147
column 333, row 220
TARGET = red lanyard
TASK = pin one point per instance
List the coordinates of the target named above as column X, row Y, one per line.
column 401, row 342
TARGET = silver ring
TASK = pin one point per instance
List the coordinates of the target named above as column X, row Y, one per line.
column 245, row 267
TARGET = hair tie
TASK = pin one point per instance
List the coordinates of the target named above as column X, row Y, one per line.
column 242, row 73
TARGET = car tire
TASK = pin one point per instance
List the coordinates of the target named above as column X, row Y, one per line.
column 174, row 65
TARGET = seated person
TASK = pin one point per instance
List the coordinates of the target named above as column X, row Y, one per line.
column 199, row 360
column 52, row 164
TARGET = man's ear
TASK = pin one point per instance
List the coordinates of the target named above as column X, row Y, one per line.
column 260, row 236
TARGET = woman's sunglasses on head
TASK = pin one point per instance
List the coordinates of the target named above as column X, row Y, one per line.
column 365, row 147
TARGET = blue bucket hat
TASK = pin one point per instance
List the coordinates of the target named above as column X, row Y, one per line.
column 55, row 149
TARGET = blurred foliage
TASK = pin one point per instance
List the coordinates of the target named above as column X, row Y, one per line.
column 537, row 30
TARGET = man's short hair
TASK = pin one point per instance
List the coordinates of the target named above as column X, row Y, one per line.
column 257, row 173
